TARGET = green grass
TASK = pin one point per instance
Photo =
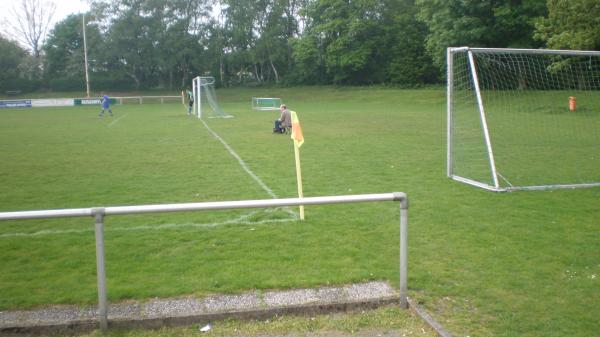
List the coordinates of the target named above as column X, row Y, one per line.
column 536, row 139
column 511, row 264
column 388, row 321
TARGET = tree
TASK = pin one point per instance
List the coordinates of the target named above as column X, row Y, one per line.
column 409, row 64
column 571, row 24
column 487, row 23
column 64, row 55
column 362, row 42
column 33, row 19
column 11, row 56
column 351, row 36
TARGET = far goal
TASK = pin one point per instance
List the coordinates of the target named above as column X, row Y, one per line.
column 205, row 98
column 266, row 103
column 523, row 119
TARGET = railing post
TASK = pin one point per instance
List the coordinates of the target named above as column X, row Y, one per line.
column 404, row 252
column 98, row 214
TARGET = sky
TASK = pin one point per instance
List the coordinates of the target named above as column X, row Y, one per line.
column 63, row 9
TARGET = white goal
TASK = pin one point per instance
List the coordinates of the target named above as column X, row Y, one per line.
column 266, row 103
column 523, row 119
column 205, row 98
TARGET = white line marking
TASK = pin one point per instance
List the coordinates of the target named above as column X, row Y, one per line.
column 116, row 120
column 245, row 167
column 241, row 161
column 241, row 220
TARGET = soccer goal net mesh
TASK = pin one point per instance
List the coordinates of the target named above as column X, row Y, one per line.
column 524, row 119
column 206, row 104
column 266, row 103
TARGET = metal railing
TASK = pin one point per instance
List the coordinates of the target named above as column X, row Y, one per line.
column 99, row 213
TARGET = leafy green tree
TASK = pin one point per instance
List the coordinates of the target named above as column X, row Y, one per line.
column 408, row 63
column 255, row 39
column 487, row 23
column 132, row 42
column 241, row 37
column 182, row 40
column 64, row 53
column 349, row 39
column 363, row 42
column 572, row 24
column 11, row 56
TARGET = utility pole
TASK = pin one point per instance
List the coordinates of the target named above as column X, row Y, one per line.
column 87, row 77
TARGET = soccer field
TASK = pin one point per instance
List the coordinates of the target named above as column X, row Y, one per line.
column 524, row 263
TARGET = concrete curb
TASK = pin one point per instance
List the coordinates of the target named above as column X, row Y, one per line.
column 69, row 320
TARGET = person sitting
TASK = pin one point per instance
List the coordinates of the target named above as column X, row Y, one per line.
column 284, row 121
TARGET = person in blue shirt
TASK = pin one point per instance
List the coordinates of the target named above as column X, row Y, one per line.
column 105, row 101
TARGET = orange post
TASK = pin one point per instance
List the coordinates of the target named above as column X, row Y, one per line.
column 572, row 103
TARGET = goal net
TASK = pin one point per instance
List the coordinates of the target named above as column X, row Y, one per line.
column 205, row 98
column 266, row 103
column 523, row 119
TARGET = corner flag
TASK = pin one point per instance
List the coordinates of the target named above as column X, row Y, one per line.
column 296, row 130
column 298, row 141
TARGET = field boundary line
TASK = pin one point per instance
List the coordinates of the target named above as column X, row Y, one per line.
column 241, row 220
column 116, row 120
column 241, row 162
column 246, row 168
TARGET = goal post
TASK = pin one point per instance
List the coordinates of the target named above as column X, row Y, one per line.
column 266, row 103
column 205, row 98
column 523, row 119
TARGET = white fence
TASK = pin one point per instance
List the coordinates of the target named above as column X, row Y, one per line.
column 149, row 99
column 99, row 213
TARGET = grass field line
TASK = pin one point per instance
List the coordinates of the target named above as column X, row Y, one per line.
column 245, row 167
column 241, row 162
column 116, row 120
column 241, row 220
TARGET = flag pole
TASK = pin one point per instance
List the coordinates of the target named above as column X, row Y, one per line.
column 298, row 141
column 299, row 177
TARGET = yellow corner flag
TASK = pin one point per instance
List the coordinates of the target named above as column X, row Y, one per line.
column 296, row 130
column 298, row 141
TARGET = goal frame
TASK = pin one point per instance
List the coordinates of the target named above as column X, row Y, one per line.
column 451, row 51
column 255, row 105
column 197, row 83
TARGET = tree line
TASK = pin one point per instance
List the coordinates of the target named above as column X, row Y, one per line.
column 162, row 44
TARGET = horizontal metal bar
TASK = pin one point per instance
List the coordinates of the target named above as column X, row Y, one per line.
column 457, row 49
column 58, row 213
column 522, row 188
column 552, row 187
column 204, row 206
column 477, row 184
column 529, row 51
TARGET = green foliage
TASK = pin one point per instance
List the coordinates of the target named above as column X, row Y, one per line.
column 64, row 54
column 363, row 42
column 498, row 24
column 11, row 56
column 571, row 25
column 142, row 44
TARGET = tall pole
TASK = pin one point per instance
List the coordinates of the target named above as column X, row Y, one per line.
column 87, row 76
